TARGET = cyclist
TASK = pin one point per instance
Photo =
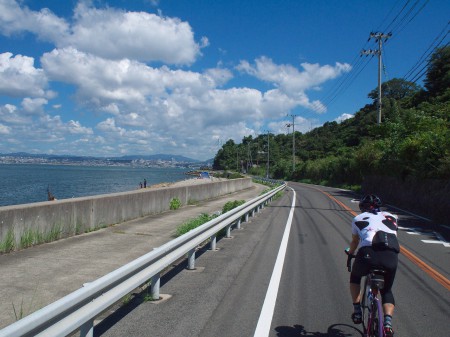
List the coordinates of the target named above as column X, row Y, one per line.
column 373, row 253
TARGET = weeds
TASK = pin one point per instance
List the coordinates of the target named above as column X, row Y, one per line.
column 18, row 315
column 175, row 203
column 54, row 234
column 21, row 312
column 126, row 299
column 192, row 202
column 27, row 239
column 9, row 242
column 38, row 237
column 148, row 297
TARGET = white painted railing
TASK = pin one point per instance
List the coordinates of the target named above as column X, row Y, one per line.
column 78, row 310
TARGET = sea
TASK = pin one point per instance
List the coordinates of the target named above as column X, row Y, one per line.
column 28, row 183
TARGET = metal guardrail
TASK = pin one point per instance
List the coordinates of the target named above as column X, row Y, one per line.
column 78, row 310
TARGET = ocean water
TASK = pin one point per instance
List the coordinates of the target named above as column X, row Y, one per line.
column 27, row 183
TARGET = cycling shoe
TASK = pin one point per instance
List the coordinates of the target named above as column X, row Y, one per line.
column 388, row 332
column 357, row 318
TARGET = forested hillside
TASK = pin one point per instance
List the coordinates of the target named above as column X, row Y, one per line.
column 413, row 139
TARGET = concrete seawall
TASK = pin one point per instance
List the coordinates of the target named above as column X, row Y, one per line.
column 25, row 225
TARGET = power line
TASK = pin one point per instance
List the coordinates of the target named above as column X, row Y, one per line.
column 405, row 15
column 412, row 73
column 422, row 71
column 401, row 26
column 396, row 17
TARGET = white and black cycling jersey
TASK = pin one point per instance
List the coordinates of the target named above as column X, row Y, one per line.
column 366, row 224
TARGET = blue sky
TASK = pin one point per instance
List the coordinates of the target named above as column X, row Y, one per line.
column 111, row 78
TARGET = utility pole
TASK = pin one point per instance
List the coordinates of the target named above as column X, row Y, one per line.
column 379, row 39
column 293, row 141
column 268, row 157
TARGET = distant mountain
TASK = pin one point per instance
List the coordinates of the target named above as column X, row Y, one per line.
column 163, row 157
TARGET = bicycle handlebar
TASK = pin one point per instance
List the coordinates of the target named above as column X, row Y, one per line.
column 349, row 260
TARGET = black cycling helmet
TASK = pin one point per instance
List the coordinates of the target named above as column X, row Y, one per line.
column 370, row 203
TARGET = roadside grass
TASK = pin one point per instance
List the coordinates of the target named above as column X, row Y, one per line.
column 193, row 223
column 21, row 310
column 204, row 218
column 9, row 242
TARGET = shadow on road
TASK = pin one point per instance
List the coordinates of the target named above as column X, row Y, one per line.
column 335, row 330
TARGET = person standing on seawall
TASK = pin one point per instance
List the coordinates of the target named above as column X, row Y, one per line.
column 374, row 232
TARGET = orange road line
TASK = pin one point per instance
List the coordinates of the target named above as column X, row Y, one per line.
column 438, row 277
column 426, row 268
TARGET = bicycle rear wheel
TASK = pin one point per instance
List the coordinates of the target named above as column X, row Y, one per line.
column 375, row 321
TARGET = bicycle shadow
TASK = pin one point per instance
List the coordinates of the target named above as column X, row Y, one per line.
column 335, row 330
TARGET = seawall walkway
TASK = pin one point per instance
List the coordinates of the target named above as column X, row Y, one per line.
column 35, row 277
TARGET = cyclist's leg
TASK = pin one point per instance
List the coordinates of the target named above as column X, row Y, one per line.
column 360, row 268
column 389, row 260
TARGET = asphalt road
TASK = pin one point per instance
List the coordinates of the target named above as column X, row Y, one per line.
column 226, row 295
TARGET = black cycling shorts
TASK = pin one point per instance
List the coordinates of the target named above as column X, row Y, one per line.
column 368, row 258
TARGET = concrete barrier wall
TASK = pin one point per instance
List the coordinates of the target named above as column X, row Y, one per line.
column 427, row 197
column 25, row 225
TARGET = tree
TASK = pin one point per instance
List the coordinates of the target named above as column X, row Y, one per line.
column 226, row 156
column 396, row 88
column 438, row 74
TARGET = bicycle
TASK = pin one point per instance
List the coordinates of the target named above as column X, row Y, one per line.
column 372, row 311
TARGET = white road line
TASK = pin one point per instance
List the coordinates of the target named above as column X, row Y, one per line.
column 437, row 241
column 266, row 315
column 418, row 231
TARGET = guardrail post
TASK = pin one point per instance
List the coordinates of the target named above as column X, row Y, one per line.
column 154, row 288
column 246, row 217
column 228, row 235
column 238, row 224
column 87, row 329
column 213, row 242
column 191, row 259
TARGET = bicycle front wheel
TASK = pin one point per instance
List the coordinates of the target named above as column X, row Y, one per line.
column 365, row 304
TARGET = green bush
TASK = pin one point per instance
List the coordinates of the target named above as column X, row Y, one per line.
column 194, row 223
column 232, row 204
column 175, row 203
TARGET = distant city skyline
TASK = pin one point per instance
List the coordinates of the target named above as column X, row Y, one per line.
column 112, row 77
column 43, row 157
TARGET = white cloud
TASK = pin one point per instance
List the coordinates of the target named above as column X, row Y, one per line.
column 108, row 32
column 19, row 77
column 31, row 126
column 4, row 130
column 301, row 124
column 106, row 83
column 16, row 19
column 344, row 117
column 9, row 114
column 291, row 81
column 117, row 34
column 74, row 127
column 33, row 105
